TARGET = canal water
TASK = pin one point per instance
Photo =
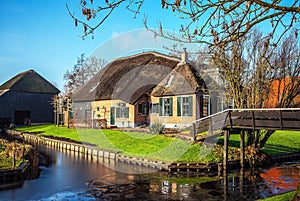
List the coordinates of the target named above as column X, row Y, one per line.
column 67, row 176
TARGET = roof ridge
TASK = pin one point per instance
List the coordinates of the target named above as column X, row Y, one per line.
column 9, row 84
column 29, row 81
column 155, row 53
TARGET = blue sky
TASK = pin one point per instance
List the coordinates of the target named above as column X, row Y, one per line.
column 40, row 35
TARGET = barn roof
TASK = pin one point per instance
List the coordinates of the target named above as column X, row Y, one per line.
column 3, row 91
column 130, row 77
column 29, row 81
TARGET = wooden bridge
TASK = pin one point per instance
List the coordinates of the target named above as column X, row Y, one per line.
column 239, row 120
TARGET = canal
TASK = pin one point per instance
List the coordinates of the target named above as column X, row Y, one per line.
column 68, row 176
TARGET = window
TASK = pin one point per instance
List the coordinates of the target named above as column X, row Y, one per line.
column 143, row 108
column 220, row 104
column 185, row 106
column 155, row 108
column 206, row 105
column 98, row 109
column 169, row 81
column 166, row 106
column 122, row 111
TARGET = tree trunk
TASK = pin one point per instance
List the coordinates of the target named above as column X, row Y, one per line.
column 251, row 138
column 257, row 136
column 266, row 137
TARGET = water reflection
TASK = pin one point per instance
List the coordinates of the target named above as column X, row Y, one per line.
column 67, row 177
column 278, row 180
column 236, row 186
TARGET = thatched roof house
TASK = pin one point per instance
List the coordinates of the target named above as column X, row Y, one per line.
column 127, row 73
column 27, row 96
column 147, row 87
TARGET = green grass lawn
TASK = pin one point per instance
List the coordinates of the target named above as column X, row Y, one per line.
column 161, row 147
column 280, row 142
column 142, row 145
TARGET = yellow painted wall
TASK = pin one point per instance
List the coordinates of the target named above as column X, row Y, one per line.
column 169, row 121
column 105, row 113
column 174, row 119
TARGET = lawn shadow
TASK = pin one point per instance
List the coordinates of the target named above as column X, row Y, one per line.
column 275, row 149
column 231, row 143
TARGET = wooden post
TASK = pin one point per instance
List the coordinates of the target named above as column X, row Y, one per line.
column 225, row 160
column 225, row 185
column 194, row 131
column 14, row 152
column 68, row 111
column 242, row 180
column 242, row 147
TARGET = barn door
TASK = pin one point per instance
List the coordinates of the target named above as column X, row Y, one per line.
column 22, row 117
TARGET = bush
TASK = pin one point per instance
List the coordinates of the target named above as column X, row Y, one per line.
column 156, row 128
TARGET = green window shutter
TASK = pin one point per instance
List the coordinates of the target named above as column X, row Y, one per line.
column 117, row 112
column 126, row 112
column 190, row 99
column 160, row 106
column 147, row 108
column 178, row 106
column 140, row 108
column 150, row 107
column 171, row 107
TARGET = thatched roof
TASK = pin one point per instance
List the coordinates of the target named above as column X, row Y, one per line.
column 184, row 79
column 29, row 81
column 215, row 87
column 130, row 77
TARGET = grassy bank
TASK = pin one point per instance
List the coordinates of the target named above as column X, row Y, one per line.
column 161, row 147
column 132, row 143
column 283, row 197
column 6, row 162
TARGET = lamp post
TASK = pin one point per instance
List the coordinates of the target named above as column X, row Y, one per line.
column 92, row 118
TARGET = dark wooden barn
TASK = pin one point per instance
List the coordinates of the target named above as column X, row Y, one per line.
column 26, row 98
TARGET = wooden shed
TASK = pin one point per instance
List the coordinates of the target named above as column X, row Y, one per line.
column 26, row 98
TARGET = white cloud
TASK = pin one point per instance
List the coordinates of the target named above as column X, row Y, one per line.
column 122, row 44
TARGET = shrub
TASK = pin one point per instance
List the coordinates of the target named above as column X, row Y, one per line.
column 156, row 128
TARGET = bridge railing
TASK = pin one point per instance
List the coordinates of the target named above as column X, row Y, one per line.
column 269, row 119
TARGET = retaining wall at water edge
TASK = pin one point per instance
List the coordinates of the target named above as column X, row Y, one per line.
column 92, row 152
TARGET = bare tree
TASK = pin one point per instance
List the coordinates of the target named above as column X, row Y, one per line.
column 212, row 22
column 83, row 70
column 260, row 75
column 285, row 89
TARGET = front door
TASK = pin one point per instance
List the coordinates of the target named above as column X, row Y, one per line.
column 112, row 116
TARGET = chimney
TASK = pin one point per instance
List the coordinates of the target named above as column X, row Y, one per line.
column 184, row 56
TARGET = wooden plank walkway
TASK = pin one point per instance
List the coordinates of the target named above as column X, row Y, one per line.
column 239, row 120
column 254, row 119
